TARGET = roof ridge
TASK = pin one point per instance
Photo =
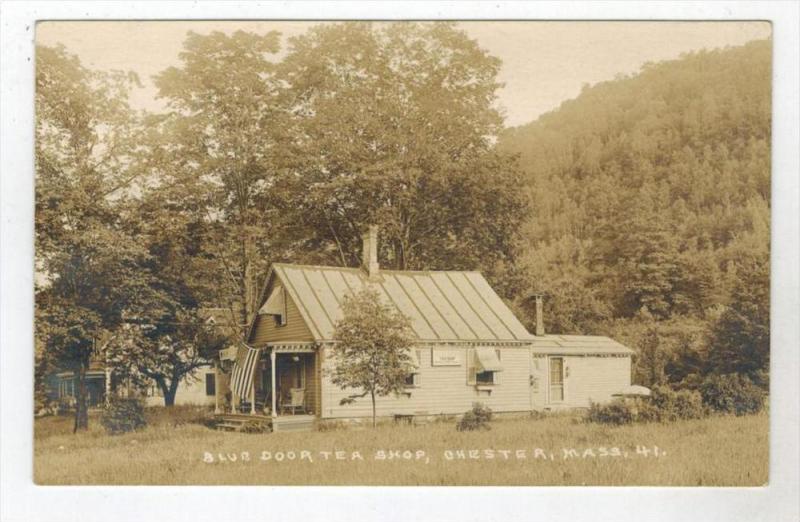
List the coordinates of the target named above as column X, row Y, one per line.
column 382, row 270
column 329, row 267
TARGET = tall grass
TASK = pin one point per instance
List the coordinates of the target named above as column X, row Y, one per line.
column 716, row 451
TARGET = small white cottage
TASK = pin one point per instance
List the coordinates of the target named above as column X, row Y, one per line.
column 470, row 346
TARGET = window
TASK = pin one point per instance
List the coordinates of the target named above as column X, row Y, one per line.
column 484, row 378
column 412, row 380
column 211, row 385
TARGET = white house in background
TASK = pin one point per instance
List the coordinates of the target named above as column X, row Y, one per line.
column 469, row 346
column 199, row 390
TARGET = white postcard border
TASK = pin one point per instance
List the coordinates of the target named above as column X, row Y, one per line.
column 21, row 500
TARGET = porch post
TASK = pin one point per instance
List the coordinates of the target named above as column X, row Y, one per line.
column 273, row 360
column 108, row 386
column 253, row 391
column 107, row 368
column 235, row 402
column 217, row 409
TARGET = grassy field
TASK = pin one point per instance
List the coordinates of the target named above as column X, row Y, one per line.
column 557, row 450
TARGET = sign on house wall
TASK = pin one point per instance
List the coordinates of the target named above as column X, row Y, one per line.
column 443, row 357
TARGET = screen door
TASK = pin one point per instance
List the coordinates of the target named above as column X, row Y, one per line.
column 556, row 379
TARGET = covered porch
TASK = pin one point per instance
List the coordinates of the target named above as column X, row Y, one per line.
column 284, row 392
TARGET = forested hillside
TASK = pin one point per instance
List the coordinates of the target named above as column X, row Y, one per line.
column 651, row 212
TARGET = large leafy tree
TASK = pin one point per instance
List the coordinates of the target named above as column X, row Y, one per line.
column 372, row 347
column 393, row 124
column 170, row 338
column 88, row 266
column 218, row 148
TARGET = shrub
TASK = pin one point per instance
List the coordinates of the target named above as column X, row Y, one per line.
column 692, row 381
column 618, row 411
column 732, row 393
column 645, row 410
column 664, row 405
column 475, row 419
column 123, row 415
column 674, row 405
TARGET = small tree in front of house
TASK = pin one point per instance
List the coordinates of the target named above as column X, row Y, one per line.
column 372, row 349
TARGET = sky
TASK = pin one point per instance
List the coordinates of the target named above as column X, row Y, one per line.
column 544, row 63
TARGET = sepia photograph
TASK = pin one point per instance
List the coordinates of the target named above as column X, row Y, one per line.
column 465, row 253
column 442, row 260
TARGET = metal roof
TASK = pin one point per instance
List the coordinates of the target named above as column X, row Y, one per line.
column 578, row 345
column 442, row 306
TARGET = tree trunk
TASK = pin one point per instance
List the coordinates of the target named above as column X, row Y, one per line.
column 245, row 288
column 169, row 398
column 168, row 392
column 249, row 291
column 81, row 408
column 372, row 395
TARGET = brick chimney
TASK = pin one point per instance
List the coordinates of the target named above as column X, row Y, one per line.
column 539, row 301
column 369, row 258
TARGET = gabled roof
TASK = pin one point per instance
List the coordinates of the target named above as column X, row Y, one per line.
column 442, row 306
column 578, row 345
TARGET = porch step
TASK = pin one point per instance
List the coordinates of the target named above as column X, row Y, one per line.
column 236, row 422
column 294, row 423
column 229, row 425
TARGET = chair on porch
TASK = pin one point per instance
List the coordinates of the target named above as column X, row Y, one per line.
column 295, row 401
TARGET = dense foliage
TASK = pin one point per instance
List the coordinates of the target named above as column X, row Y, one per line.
column 726, row 394
column 88, row 263
column 123, row 415
column 651, row 212
column 663, row 405
column 732, row 393
column 393, row 125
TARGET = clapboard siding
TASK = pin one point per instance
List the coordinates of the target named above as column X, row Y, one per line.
column 311, row 384
column 594, row 379
column 441, row 390
column 265, row 330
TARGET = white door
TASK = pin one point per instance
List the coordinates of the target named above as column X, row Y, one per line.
column 556, row 391
column 538, row 382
